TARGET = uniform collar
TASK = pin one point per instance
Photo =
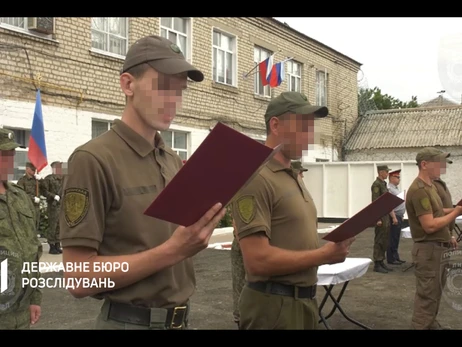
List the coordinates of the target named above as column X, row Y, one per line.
column 275, row 166
column 135, row 140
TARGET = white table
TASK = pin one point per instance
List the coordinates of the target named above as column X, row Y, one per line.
column 331, row 275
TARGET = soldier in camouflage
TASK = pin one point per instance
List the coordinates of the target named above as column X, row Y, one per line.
column 31, row 186
column 51, row 189
column 19, row 302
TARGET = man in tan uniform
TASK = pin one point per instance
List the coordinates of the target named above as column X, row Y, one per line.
column 382, row 228
column 147, row 276
column 429, row 221
column 276, row 222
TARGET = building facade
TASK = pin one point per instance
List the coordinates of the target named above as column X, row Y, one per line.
column 76, row 64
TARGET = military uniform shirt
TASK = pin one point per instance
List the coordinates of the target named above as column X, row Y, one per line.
column 112, row 180
column 19, row 244
column 277, row 203
column 423, row 199
column 445, row 196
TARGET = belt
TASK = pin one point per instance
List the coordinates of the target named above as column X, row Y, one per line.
column 441, row 244
column 126, row 313
column 284, row 289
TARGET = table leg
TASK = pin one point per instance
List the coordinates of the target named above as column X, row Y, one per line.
column 458, row 232
column 336, row 302
column 409, row 267
column 321, row 306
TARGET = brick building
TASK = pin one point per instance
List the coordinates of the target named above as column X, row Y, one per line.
column 77, row 63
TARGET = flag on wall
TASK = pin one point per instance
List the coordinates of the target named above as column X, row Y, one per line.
column 276, row 76
column 37, row 149
column 265, row 69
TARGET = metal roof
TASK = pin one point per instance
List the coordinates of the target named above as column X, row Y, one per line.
column 404, row 128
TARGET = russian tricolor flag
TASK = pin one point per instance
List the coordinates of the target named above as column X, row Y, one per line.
column 276, row 75
column 265, row 69
column 37, row 149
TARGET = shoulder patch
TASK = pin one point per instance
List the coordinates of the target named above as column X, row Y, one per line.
column 246, row 208
column 425, row 202
column 76, row 205
column 376, row 189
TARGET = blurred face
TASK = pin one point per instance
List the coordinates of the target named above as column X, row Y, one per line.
column 30, row 172
column 57, row 169
column 295, row 132
column 434, row 168
column 6, row 165
column 155, row 96
column 383, row 174
column 395, row 180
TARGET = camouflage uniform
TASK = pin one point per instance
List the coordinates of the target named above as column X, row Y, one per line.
column 30, row 185
column 18, row 245
column 51, row 187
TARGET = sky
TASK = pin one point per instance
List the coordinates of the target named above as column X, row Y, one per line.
column 404, row 57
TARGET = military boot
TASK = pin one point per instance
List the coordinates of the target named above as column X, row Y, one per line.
column 58, row 247
column 382, row 264
column 53, row 249
column 379, row 268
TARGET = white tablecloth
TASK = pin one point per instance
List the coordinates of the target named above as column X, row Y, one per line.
column 350, row 269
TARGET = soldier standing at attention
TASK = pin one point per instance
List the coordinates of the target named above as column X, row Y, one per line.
column 31, row 186
column 110, row 182
column 276, row 222
column 19, row 305
column 382, row 228
column 51, row 189
column 395, row 229
column 429, row 220
column 445, row 195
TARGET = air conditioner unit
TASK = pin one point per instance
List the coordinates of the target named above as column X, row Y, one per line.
column 44, row 25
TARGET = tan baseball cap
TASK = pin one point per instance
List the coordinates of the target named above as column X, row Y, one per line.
column 432, row 154
column 7, row 141
column 294, row 102
column 162, row 55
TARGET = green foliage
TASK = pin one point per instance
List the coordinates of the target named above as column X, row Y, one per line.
column 383, row 101
column 227, row 220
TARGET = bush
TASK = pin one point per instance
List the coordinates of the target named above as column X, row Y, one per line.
column 227, row 220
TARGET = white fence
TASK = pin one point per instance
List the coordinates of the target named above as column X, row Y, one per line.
column 341, row 189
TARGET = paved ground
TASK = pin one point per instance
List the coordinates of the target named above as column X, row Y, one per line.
column 382, row 301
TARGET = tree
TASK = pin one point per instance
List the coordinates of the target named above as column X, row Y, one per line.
column 373, row 99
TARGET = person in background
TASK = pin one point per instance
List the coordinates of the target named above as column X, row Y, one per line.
column 395, row 228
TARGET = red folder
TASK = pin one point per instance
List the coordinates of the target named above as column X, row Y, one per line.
column 365, row 218
column 222, row 165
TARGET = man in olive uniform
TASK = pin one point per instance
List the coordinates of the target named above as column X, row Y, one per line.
column 111, row 180
column 394, row 178
column 31, row 186
column 237, row 263
column 51, row 189
column 429, row 220
column 276, row 222
column 19, row 302
column 382, row 228
column 445, row 195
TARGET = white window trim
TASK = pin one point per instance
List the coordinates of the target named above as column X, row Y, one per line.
column 189, row 37
column 108, row 122
column 297, row 77
column 235, row 60
column 107, row 53
column 188, row 141
column 326, row 78
column 28, row 32
column 267, row 87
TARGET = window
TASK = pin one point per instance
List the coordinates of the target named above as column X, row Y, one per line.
column 178, row 141
column 110, row 35
column 21, row 136
column 294, row 74
column 99, row 127
column 259, row 55
column 321, row 88
column 319, row 160
column 38, row 26
column 178, row 30
column 224, row 58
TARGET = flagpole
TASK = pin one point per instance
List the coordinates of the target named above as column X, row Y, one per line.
column 257, row 65
column 39, row 79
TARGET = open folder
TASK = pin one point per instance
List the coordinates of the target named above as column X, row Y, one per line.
column 222, row 165
column 365, row 218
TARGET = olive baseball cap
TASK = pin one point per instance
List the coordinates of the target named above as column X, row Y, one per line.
column 162, row 55
column 383, row 168
column 293, row 102
column 432, row 154
column 7, row 141
column 296, row 165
